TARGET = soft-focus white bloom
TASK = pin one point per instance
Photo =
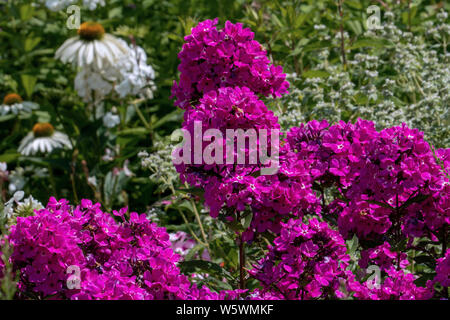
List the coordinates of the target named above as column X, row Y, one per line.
column 129, row 75
column 3, row 171
column 16, row 207
column 57, row 5
column 110, row 154
column 44, row 138
column 111, row 120
column 92, row 4
column 16, row 180
column 92, row 180
column 92, row 85
column 13, row 103
column 126, row 170
column 91, row 48
column 135, row 75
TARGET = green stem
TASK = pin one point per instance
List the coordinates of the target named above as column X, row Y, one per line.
column 241, row 263
column 52, row 180
column 141, row 116
column 186, row 222
column 205, row 243
column 341, row 28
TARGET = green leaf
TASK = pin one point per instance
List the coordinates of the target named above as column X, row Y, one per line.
column 139, row 131
column 221, row 285
column 195, row 191
column 175, row 116
column 247, row 220
column 422, row 281
column 416, row 199
column 354, row 4
column 31, row 43
column 9, row 157
column 194, row 266
column 186, row 205
column 426, row 260
column 194, row 251
column 371, row 43
column 26, row 12
column 355, row 26
column 316, row 45
column 28, row 83
column 353, row 245
column 7, row 117
column 115, row 13
column 315, row 74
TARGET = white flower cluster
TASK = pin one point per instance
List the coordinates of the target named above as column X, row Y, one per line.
column 57, row 5
column 17, row 206
column 161, row 165
column 135, row 75
column 408, row 81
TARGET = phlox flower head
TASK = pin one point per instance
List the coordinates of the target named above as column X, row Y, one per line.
column 126, row 257
column 307, row 261
column 212, row 58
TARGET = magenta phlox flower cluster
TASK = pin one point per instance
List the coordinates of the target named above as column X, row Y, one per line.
column 117, row 258
column 224, row 109
column 307, row 261
column 2, row 263
column 383, row 257
column 384, row 178
column 443, row 270
column 212, row 59
column 398, row 284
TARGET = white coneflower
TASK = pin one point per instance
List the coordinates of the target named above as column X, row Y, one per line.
column 44, row 138
column 13, row 103
column 91, row 48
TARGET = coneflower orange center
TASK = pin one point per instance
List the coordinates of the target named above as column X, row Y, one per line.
column 43, row 130
column 90, row 31
column 12, row 98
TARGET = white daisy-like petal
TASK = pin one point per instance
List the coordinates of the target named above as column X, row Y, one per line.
column 98, row 55
column 62, row 138
column 26, row 142
column 42, row 143
column 106, row 52
column 89, row 53
column 64, row 46
column 81, row 57
column 70, row 54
